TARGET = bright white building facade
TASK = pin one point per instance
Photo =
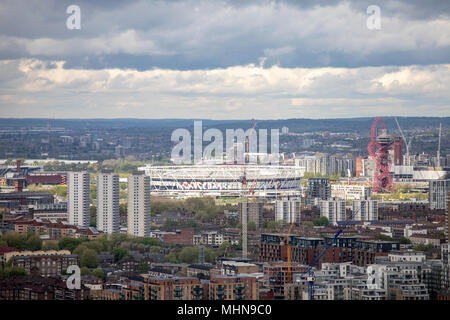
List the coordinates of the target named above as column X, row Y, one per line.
column 108, row 202
column 78, row 198
column 139, row 205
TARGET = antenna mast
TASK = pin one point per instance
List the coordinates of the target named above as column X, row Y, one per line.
column 406, row 142
column 438, row 162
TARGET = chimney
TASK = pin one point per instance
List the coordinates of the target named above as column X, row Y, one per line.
column 18, row 166
column 18, row 184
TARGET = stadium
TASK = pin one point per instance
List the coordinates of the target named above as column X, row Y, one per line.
column 224, row 180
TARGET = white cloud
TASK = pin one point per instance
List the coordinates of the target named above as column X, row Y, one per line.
column 230, row 93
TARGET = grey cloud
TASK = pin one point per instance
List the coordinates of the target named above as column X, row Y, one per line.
column 192, row 34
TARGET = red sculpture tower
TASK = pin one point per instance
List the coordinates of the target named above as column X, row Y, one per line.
column 379, row 146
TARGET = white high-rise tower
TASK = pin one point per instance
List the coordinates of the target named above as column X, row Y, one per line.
column 78, row 198
column 139, row 204
column 108, row 202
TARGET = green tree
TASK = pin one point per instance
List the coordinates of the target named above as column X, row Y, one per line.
column 80, row 249
column 171, row 257
column 251, row 226
column 14, row 240
column 85, row 271
column 383, row 237
column 60, row 190
column 404, row 240
column 424, row 247
column 123, row 208
column 188, row 255
column 33, row 242
column 89, row 258
column 96, row 245
column 99, row 273
column 105, row 242
column 210, row 255
column 322, row 221
column 170, row 223
column 12, row 271
column 155, row 249
column 150, row 242
column 50, row 246
column 70, row 244
column 93, row 216
column 119, row 254
column 143, row 267
column 224, row 246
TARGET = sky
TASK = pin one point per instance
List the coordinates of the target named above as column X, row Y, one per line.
column 224, row 59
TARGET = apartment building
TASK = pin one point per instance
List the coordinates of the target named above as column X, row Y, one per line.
column 254, row 212
column 108, row 202
column 351, row 192
column 78, row 198
column 139, row 204
column 210, row 238
column 437, row 195
column 36, row 287
column 365, row 210
column 318, row 188
column 288, row 211
column 233, row 287
column 333, row 210
column 45, row 263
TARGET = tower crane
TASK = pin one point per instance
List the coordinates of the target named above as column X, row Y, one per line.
column 245, row 193
column 438, row 162
column 407, row 144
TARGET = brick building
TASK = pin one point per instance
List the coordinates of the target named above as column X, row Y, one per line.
column 181, row 236
column 39, row 288
column 46, row 263
column 273, row 247
column 237, row 287
column 175, row 288
column 276, row 276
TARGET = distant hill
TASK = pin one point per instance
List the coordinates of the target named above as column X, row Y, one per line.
column 294, row 125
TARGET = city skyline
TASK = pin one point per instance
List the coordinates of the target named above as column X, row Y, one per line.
column 238, row 153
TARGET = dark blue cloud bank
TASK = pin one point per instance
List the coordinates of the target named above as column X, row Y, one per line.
column 200, row 34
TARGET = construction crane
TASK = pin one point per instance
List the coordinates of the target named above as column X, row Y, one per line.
column 244, row 213
column 407, row 144
column 438, row 162
column 245, row 192
column 310, row 276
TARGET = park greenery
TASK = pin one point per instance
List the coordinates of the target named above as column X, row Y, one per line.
column 205, row 208
column 9, row 271
column 190, row 254
column 321, row 221
column 121, row 166
column 308, row 175
column 30, row 241
column 383, row 237
column 273, row 224
column 401, row 193
column 424, row 247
